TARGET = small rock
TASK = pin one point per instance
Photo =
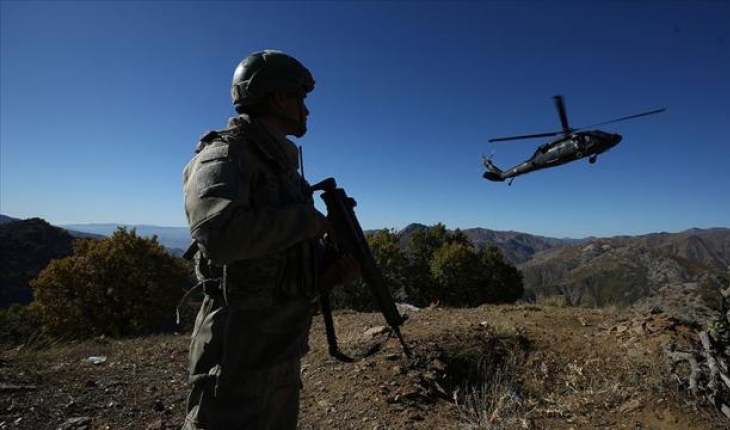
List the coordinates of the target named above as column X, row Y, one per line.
column 371, row 333
column 11, row 387
column 630, row 406
column 75, row 423
column 158, row 406
column 416, row 416
column 157, row 425
column 96, row 359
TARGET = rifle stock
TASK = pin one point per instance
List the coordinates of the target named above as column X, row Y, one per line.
column 351, row 240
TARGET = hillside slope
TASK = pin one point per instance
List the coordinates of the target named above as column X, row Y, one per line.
column 628, row 272
column 26, row 247
column 710, row 247
column 493, row 367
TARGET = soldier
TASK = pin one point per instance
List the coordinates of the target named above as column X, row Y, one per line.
column 258, row 236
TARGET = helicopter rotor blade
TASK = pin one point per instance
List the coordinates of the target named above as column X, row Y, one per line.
column 526, row 136
column 560, row 106
column 624, row 118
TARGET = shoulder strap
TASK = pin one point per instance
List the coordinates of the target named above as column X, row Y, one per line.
column 207, row 138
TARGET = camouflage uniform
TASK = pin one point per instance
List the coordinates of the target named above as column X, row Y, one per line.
column 253, row 218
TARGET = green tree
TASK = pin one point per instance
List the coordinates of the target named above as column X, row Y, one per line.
column 423, row 243
column 391, row 260
column 421, row 288
column 456, row 270
column 504, row 282
column 117, row 286
column 17, row 326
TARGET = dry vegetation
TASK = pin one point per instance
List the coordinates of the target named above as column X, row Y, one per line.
column 492, row 367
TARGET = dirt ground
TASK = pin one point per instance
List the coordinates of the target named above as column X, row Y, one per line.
column 492, row 367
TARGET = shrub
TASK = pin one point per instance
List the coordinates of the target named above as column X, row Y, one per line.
column 117, row 286
column 504, row 282
column 421, row 288
column 392, row 262
column 437, row 266
column 556, row 301
column 17, row 326
column 457, row 271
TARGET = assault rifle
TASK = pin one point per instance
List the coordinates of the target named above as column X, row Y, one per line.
column 351, row 240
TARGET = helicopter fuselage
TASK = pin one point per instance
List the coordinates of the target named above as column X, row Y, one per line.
column 570, row 144
column 564, row 149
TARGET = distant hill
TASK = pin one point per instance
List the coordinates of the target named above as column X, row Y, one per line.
column 26, row 247
column 646, row 270
column 515, row 246
column 681, row 273
column 4, row 219
column 710, row 247
column 176, row 239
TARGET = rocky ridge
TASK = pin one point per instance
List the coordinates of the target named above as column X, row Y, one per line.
column 626, row 273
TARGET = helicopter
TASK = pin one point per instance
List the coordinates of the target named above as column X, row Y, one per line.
column 570, row 145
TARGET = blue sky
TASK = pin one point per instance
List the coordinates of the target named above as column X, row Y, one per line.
column 102, row 103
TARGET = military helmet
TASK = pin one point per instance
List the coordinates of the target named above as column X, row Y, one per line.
column 265, row 72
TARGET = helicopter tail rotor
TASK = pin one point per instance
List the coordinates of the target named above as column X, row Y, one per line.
column 493, row 172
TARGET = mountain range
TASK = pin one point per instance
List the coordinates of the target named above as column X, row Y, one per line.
column 679, row 272
column 173, row 238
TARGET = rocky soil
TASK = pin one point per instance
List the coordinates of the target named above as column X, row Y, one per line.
column 492, row 367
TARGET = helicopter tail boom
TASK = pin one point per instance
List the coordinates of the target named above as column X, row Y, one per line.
column 493, row 172
column 493, row 177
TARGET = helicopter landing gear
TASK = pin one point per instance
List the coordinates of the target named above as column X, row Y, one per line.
column 592, row 159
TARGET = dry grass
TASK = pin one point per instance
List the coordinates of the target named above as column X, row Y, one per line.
column 492, row 400
column 491, row 368
column 555, row 301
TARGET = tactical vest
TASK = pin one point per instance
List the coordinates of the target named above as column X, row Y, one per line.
column 271, row 181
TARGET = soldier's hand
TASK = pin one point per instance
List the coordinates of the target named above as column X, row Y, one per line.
column 342, row 271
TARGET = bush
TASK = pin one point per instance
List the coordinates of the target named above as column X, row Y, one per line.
column 118, row 286
column 503, row 280
column 456, row 270
column 391, row 260
column 17, row 326
column 555, row 301
column 421, row 288
column 466, row 277
column 437, row 266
